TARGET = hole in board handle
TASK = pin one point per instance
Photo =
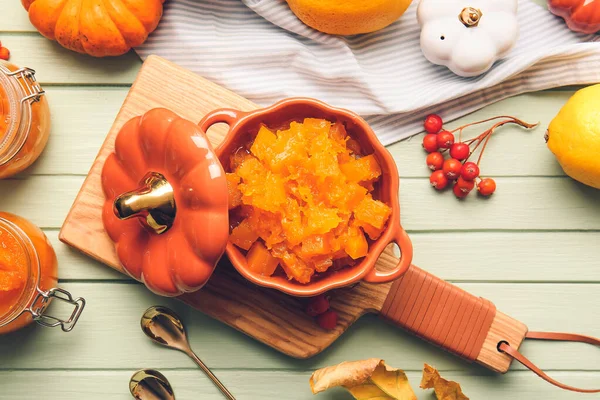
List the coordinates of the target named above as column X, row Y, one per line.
column 499, row 343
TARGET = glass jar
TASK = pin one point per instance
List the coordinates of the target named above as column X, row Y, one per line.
column 28, row 277
column 24, row 119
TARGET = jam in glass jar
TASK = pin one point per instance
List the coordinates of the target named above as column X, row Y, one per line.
column 24, row 119
column 28, row 278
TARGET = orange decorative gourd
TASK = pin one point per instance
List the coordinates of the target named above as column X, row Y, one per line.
column 580, row 15
column 183, row 228
column 96, row 27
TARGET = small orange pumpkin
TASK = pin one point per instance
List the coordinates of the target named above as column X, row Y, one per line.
column 580, row 15
column 181, row 257
column 96, row 27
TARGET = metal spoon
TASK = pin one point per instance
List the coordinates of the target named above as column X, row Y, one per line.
column 149, row 384
column 164, row 327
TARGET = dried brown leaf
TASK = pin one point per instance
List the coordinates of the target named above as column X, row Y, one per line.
column 368, row 379
column 444, row 389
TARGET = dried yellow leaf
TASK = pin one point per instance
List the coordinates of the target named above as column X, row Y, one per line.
column 444, row 389
column 368, row 379
column 367, row 391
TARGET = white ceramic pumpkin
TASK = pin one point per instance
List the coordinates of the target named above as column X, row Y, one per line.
column 467, row 36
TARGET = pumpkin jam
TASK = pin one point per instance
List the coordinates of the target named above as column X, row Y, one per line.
column 4, row 112
column 14, row 126
column 302, row 198
column 15, row 271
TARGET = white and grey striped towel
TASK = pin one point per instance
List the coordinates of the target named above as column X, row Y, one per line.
column 259, row 49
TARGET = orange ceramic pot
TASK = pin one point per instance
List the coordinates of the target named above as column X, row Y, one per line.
column 182, row 199
column 243, row 124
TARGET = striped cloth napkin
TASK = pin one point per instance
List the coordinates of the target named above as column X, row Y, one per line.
column 259, row 49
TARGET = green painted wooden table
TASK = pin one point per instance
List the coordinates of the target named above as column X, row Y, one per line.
column 532, row 249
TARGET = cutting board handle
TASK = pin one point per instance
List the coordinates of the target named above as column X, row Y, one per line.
column 451, row 318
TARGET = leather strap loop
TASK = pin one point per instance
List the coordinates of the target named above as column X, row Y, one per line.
column 558, row 336
column 563, row 337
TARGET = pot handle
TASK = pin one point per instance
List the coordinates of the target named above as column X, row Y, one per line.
column 226, row 115
column 406, row 254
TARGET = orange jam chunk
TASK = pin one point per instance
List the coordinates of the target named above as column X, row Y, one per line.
column 235, row 196
column 301, row 199
column 260, row 260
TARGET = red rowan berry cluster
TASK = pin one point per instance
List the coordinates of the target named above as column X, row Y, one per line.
column 457, row 168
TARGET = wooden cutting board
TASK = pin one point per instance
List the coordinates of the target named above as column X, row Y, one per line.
column 269, row 316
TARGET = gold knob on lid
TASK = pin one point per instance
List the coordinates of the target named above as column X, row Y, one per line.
column 470, row 16
column 153, row 202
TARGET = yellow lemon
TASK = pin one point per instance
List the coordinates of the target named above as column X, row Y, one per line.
column 348, row 17
column 574, row 136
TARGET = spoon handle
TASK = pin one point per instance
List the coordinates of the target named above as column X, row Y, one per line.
column 212, row 376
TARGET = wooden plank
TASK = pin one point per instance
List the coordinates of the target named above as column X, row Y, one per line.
column 519, row 204
column 75, row 266
column 189, row 383
column 108, row 334
column 81, row 117
column 503, row 253
column 57, row 65
column 15, row 18
column 509, row 256
column 45, row 200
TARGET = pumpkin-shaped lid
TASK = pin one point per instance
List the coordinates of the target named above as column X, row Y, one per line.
column 165, row 202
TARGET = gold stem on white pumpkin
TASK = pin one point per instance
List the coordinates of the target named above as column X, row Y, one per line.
column 470, row 16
